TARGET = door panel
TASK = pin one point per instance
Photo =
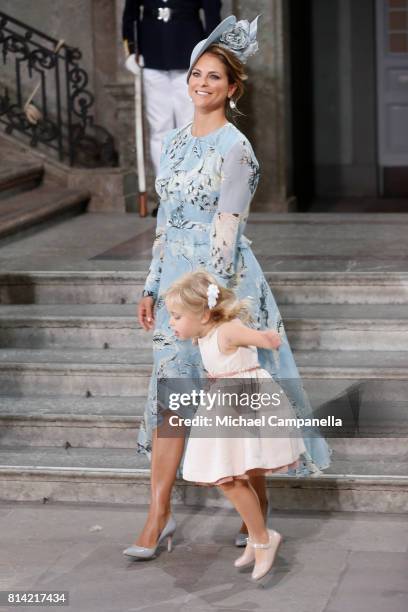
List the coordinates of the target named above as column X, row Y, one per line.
column 392, row 62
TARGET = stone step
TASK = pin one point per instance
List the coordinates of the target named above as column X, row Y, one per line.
column 121, row 476
column 15, row 177
column 71, row 287
column 71, row 407
column 75, row 372
column 376, row 397
column 351, row 327
column 339, row 287
column 128, row 459
column 309, row 326
column 351, row 365
column 26, row 210
column 126, row 372
column 116, row 287
column 81, row 422
column 113, row 423
column 71, row 326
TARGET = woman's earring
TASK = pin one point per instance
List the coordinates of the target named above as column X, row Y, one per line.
column 232, row 103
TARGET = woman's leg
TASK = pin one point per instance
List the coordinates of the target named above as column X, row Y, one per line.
column 258, row 483
column 243, row 497
column 166, row 456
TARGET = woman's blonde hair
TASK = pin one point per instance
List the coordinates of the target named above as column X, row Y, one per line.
column 190, row 293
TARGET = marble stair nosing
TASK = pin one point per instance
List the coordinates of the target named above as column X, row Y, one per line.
column 26, row 210
column 325, row 327
column 115, row 287
column 120, row 476
column 19, row 176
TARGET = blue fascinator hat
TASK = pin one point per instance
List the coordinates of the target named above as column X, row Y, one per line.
column 236, row 36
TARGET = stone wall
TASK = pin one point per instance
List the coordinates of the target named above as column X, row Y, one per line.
column 94, row 26
column 86, row 24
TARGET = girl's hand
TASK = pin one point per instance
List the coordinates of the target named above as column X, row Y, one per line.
column 273, row 338
column 145, row 313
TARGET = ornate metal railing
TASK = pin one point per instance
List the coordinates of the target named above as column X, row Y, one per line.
column 44, row 95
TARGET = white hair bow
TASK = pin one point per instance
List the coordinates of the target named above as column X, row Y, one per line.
column 212, row 295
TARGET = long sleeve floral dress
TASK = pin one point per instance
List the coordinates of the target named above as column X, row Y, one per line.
column 206, row 185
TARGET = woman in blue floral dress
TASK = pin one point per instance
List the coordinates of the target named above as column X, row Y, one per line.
column 208, row 176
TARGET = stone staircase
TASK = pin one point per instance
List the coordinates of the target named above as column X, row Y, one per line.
column 74, row 369
column 28, row 198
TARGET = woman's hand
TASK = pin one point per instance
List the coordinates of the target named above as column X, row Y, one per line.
column 145, row 313
column 272, row 338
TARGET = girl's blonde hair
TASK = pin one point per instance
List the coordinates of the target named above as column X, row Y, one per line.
column 190, row 293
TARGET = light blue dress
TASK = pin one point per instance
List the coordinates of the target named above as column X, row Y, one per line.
column 206, row 185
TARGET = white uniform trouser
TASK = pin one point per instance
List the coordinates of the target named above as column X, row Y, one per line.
column 167, row 105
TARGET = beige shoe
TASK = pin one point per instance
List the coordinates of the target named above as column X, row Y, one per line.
column 265, row 560
column 247, row 557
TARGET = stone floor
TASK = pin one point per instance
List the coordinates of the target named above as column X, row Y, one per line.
column 329, row 562
column 359, row 205
column 286, row 242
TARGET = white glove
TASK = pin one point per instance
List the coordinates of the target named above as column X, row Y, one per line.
column 131, row 64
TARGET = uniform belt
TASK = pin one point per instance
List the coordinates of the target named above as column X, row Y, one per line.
column 165, row 13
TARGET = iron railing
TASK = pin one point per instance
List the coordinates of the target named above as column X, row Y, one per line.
column 44, row 95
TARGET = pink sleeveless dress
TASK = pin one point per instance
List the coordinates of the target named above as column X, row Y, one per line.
column 214, row 460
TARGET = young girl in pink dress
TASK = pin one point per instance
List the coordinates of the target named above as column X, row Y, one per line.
column 210, row 315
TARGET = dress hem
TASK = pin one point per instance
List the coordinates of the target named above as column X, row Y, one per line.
column 246, row 475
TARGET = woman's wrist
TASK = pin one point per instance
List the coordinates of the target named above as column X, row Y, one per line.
column 146, row 293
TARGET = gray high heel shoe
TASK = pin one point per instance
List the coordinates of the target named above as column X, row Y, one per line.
column 143, row 552
column 241, row 539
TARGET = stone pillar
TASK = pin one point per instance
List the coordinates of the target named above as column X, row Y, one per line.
column 104, row 44
column 124, row 97
column 267, row 102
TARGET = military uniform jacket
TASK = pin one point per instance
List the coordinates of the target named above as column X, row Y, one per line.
column 167, row 45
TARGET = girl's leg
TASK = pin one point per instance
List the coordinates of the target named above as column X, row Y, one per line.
column 245, row 500
column 243, row 497
column 166, row 456
column 258, row 483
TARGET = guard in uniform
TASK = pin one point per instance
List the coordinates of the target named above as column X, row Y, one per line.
column 167, row 32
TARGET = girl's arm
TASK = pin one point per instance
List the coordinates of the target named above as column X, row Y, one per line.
column 231, row 335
